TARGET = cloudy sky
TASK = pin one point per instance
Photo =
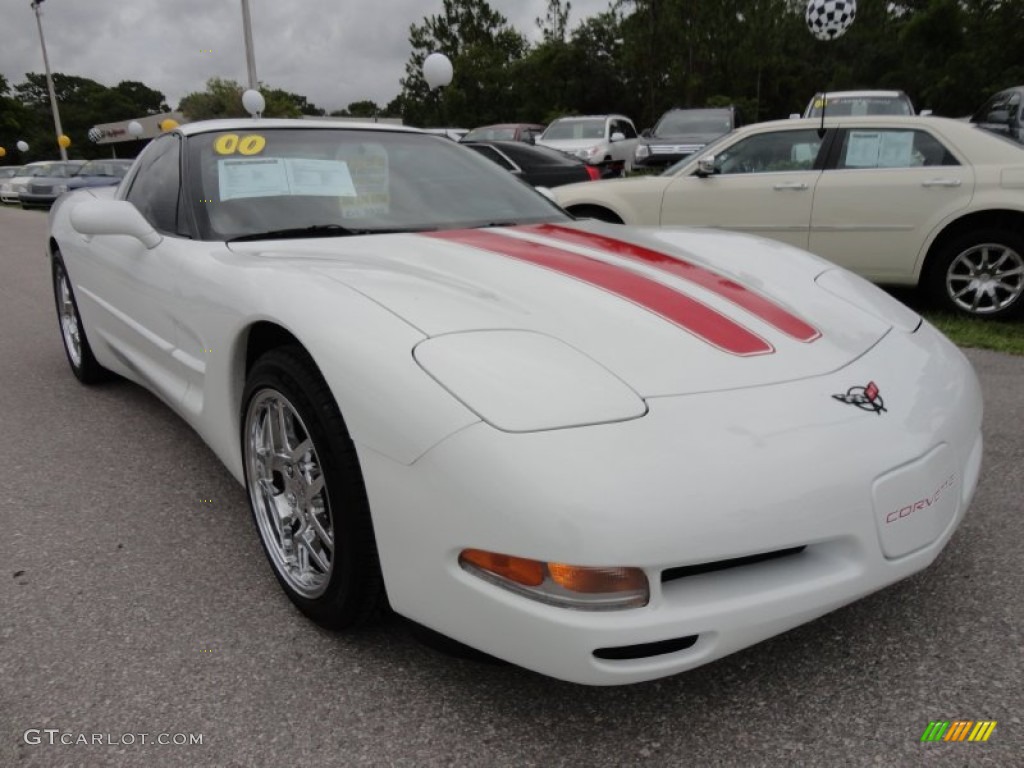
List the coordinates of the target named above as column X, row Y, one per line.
column 333, row 52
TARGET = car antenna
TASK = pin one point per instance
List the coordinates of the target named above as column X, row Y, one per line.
column 824, row 106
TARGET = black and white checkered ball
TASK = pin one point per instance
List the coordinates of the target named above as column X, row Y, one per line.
column 829, row 19
column 95, row 134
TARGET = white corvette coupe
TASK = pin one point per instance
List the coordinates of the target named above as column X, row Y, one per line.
column 603, row 453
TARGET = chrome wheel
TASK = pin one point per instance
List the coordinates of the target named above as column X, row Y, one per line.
column 985, row 278
column 288, row 495
column 69, row 324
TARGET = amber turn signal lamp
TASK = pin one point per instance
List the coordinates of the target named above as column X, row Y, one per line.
column 569, row 586
column 597, row 580
column 529, row 573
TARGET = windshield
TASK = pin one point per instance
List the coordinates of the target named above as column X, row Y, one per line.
column 114, row 168
column 361, row 181
column 587, row 128
column 55, row 169
column 693, row 121
column 491, row 134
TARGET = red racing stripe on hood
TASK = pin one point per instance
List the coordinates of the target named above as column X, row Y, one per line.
column 753, row 302
column 689, row 314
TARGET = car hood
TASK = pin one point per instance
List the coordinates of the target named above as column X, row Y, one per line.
column 669, row 312
column 76, row 182
column 570, row 145
column 683, row 138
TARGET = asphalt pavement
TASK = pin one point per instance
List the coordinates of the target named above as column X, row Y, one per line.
column 135, row 599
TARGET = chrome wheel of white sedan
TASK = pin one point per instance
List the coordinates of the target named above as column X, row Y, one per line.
column 984, row 274
column 306, row 491
column 986, row 278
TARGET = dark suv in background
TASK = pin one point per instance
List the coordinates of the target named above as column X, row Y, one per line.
column 681, row 132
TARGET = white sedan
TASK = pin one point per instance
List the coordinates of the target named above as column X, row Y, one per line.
column 899, row 200
column 601, row 453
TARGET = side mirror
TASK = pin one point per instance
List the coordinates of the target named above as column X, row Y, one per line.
column 706, row 166
column 618, row 136
column 925, row 112
column 795, row 115
column 113, row 217
column 646, row 133
column 998, row 116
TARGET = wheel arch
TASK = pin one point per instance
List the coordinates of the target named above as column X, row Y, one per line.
column 588, row 210
column 388, row 403
column 995, row 218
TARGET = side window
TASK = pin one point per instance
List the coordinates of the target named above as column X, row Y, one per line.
column 1013, row 105
column 156, row 188
column 626, row 128
column 777, row 152
column 868, row 148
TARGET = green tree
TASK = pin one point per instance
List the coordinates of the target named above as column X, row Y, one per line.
column 83, row 103
column 364, row 108
column 482, row 46
column 223, row 98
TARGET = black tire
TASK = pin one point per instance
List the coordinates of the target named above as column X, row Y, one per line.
column 351, row 592
column 84, row 364
column 594, row 212
column 980, row 274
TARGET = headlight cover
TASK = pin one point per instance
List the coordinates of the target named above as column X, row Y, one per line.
column 522, row 381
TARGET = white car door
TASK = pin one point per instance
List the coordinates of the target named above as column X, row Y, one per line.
column 764, row 184
column 889, row 189
column 127, row 292
column 623, row 149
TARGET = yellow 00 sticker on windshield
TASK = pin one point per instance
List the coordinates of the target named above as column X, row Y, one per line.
column 251, row 144
column 229, row 143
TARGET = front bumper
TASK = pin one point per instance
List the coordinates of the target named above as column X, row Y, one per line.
column 39, row 199
column 701, row 479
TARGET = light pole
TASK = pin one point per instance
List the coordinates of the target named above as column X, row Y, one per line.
column 49, row 80
column 250, row 56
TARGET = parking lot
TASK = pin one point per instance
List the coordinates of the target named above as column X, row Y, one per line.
column 135, row 599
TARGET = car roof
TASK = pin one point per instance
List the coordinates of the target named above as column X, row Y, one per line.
column 590, row 117
column 885, row 121
column 252, row 124
column 507, row 125
column 862, row 94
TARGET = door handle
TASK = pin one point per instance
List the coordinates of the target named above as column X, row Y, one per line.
column 795, row 185
column 941, row 183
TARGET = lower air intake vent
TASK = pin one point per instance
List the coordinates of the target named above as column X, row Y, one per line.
column 672, row 574
column 646, row 650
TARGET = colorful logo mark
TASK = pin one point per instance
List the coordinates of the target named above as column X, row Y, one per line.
column 958, row 730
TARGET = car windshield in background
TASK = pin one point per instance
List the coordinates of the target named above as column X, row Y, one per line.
column 350, row 181
column 491, row 134
column 575, row 129
column 58, row 170
column 857, row 106
column 115, row 168
column 679, row 123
